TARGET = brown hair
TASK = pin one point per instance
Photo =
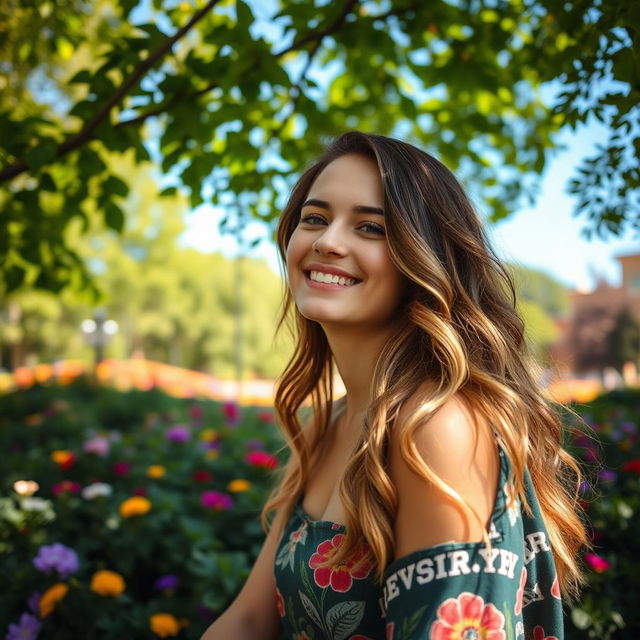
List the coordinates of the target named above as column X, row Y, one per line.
column 459, row 328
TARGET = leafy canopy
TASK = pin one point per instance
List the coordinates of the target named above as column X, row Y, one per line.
column 232, row 100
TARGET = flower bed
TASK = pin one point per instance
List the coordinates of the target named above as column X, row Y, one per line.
column 127, row 515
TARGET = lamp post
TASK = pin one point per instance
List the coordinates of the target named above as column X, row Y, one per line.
column 98, row 331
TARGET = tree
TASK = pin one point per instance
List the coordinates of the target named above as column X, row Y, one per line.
column 234, row 105
column 624, row 340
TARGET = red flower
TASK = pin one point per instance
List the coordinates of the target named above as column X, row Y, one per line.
column 202, row 476
column 632, row 465
column 538, row 634
column 467, row 616
column 555, row 588
column 121, row 468
column 66, row 486
column 341, row 577
column 279, row 603
column 389, row 631
column 265, row 416
column 261, row 459
column 520, row 593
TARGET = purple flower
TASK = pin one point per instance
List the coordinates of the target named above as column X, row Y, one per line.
column 26, row 629
column 178, row 433
column 168, row 581
column 252, row 445
column 216, row 500
column 56, row 557
column 629, row 428
column 213, row 445
column 584, row 486
column 607, row 475
column 98, row 445
column 34, row 601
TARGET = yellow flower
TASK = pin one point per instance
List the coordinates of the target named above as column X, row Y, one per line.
column 239, row 485
column 135, row 506
column 209, row 435
column 164, row 624
column 107, row 583
column 61, row 456
column 51, row 597
column 212, row 454
column 156, row 471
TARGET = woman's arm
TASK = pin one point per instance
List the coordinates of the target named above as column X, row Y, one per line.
column 253, row 614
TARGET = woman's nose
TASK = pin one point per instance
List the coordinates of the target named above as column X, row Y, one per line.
column 331, row 241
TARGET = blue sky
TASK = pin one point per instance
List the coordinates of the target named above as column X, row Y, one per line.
column 545, row 236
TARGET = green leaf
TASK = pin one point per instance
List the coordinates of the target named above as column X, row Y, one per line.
column 43, row 153
column 116, row 186
column 114, row 217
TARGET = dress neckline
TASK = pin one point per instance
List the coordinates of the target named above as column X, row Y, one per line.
column 322, row 524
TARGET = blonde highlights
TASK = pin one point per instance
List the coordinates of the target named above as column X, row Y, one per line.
column 458, row 330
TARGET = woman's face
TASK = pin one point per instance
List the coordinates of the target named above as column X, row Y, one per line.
column 341, row 236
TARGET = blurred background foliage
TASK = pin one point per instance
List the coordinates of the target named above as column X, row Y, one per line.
column 232, row 99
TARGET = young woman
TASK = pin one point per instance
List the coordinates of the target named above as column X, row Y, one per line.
column 434, row 499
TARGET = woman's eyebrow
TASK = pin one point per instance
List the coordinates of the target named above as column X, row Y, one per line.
column 359, row 208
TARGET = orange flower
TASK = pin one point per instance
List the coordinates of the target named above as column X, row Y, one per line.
column 164, row 624
column 239, row 485
column 64, row 459
column 135, row 506
column 107, row 583
column 156, row 471
column 51, row 597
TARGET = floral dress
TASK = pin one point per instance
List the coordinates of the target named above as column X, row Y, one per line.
column 451, row 591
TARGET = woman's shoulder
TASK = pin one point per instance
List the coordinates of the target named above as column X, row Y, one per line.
column 440, row 461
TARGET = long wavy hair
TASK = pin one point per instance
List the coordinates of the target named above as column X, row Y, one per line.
column 459, row 329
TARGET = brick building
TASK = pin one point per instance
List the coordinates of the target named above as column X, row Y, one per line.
column 583, row 342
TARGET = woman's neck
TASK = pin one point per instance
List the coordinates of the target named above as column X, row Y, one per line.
column 356, row 354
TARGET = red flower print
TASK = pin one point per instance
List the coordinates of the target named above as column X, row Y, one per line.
column 520, row 593
column 467, row 616
column 555, row 588
column 389, row 631
column 341, row 577
column 279, row 603
column 538, row 634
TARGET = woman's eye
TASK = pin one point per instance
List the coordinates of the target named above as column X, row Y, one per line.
column 370, row 227
column 311, row 218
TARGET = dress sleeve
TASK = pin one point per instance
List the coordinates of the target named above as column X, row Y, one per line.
column 455, row 590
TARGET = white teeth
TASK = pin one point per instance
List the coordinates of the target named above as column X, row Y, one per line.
column 318, row 276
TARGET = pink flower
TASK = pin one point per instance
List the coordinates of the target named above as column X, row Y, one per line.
column 216, row 500
column 467, row 616
column 261, row 459
column 538, row 634
column 121, row 468
column 520, row 593
column 555, row 588
column 196, row 412
column 98, row 445
column 231, row 412
column 265, row 416
column 341, row 577
column 596, row 562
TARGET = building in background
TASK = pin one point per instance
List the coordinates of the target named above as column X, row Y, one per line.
column 583, row 348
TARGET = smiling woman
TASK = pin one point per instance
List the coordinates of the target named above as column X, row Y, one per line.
column 434, row 499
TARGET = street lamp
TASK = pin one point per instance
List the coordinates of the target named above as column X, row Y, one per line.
column 98, row 332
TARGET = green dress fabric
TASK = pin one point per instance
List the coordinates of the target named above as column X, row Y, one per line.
column 452, row 591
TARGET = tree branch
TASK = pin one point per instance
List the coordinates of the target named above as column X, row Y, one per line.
column 86, row 133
